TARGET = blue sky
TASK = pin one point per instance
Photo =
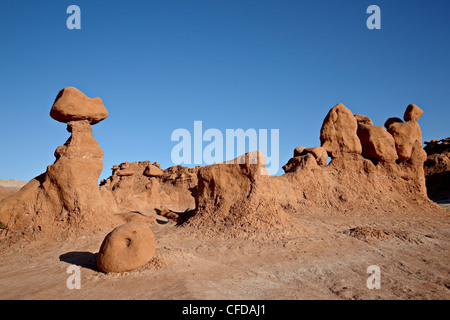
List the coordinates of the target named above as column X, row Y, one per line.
column 160, row 65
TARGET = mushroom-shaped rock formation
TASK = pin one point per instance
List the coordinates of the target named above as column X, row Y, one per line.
column 72, row 105
column 67, row 194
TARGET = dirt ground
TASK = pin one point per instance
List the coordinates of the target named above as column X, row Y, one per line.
column 328, row 260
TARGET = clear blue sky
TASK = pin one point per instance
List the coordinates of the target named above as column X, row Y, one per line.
column 159, row 65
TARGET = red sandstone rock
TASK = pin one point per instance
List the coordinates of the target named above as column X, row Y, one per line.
column 412, row 113
column 377, row 144
column 126, row 248
column 338, row 133
column 72, row 105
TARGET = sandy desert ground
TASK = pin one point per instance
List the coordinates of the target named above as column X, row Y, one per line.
column 328, row 260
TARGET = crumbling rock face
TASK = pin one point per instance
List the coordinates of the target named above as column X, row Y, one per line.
column 437, row 168
column 306, row 158
column 145, row 187
column 67, row 193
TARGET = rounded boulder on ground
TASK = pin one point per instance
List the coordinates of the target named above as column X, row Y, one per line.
column 126, row 248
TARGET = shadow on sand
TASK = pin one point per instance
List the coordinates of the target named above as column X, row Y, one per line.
column 86, row 260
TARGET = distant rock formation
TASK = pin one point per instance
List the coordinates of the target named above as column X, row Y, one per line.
column 10, row 186
column 146, row 188
column 437, row 169
column 12, row 183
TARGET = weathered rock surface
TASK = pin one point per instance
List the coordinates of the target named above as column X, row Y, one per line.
column 405, row 135
column 144, row 187
column 338, row 133
column 412, row 113
column 307, row 158
column 153, row 171
column 377, row 144
column 363, row 120
column 73, row 105
column 391, row 121
column 126, row 248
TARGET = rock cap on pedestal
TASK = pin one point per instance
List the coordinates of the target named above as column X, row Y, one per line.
column 72, row 105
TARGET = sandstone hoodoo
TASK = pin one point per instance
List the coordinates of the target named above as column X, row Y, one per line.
column 338, row 133
column 126, row 248
column 412, row 113
column 407, row 133
column 67, row 193
column 364, row 174
column 377, row 144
